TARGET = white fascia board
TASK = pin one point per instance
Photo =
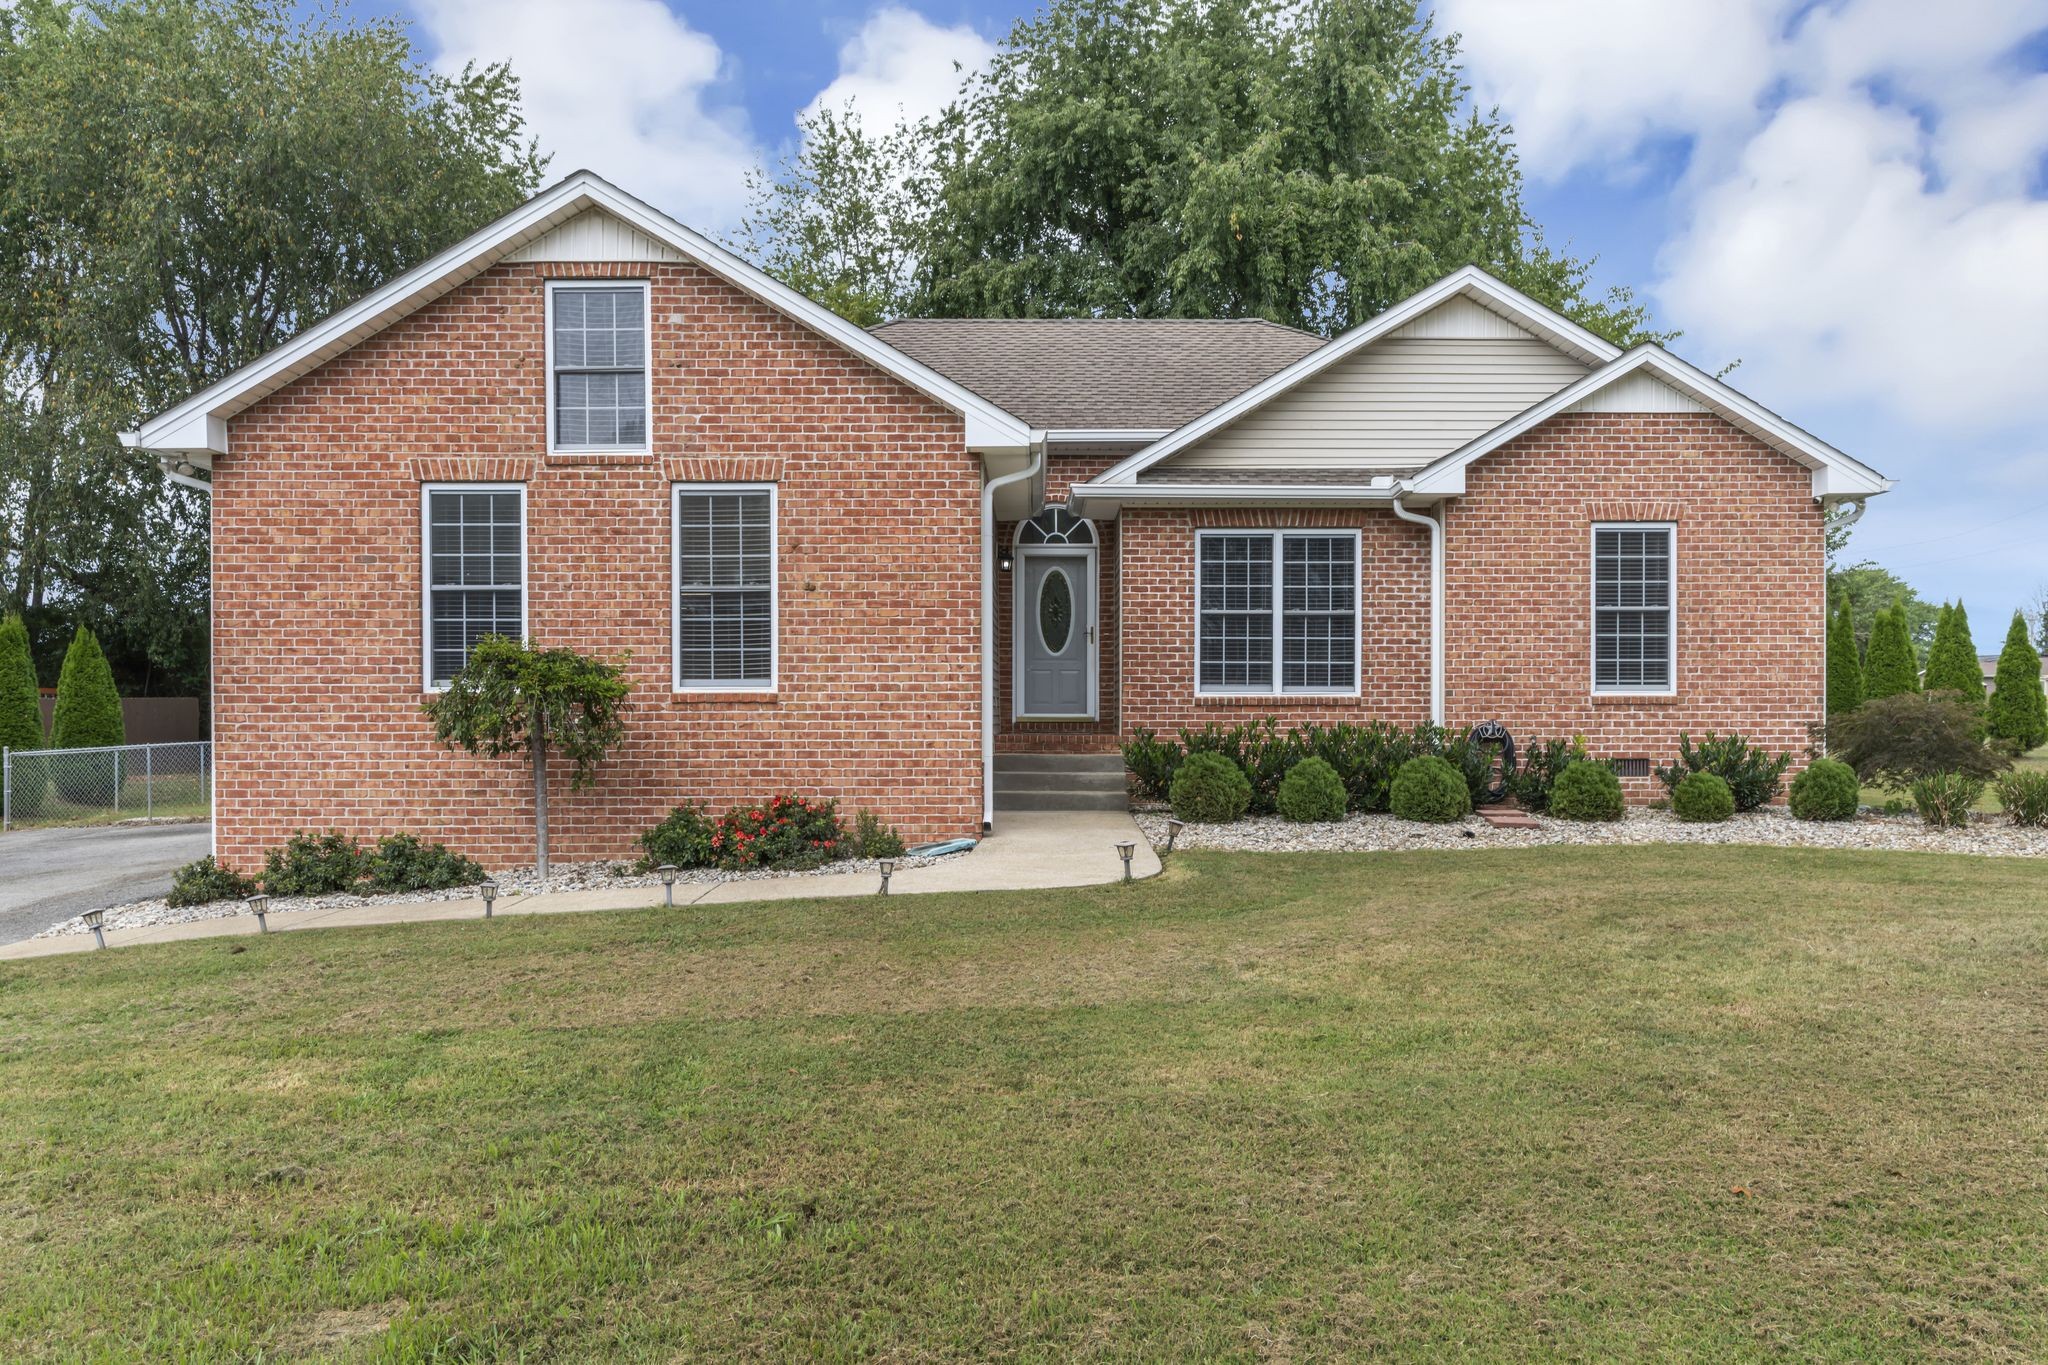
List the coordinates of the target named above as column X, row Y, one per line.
column 1471, row 282
column 203, row 417
column 1836, row 475
column 1109, row 497
column 1103, row 435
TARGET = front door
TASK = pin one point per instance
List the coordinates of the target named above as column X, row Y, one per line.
column 1056, row 633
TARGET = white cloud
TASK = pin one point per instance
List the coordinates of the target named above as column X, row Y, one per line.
column 902, row 67
column 625, row 88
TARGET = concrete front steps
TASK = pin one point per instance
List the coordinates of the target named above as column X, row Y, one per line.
column 1060, row 782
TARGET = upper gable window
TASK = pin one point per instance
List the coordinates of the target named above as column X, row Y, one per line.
column 597, row 366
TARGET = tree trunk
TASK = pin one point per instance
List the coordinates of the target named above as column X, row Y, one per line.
column 540, row 796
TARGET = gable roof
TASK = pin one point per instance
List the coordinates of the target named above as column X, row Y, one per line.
column 1470, row 283
column 198, row 426
column 1102, row 373
column 1835, row 475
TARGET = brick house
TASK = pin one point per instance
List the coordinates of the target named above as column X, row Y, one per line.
column 939, row 568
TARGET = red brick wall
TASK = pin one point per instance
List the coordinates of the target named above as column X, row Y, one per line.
column 1751, row 571
column 316, row 516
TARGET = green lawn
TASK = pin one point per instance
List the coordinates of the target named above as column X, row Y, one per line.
column 1678, row 1102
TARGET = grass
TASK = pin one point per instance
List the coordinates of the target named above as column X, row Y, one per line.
column 1678, row 1102
column 1988, row 802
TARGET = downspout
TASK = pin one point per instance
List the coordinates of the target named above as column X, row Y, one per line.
column 988, row 627
column 1436, row 604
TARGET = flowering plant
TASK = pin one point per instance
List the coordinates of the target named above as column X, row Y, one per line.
column 781, row 832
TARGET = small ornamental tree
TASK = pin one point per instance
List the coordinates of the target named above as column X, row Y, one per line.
column 1952, row 659
column 21, row 709
column 1845, row 665
column 1889, row 665
column 88, row 710
column 511, row 698
column 2018, row 713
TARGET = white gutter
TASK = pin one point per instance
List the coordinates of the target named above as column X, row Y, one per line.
column 988, row 626
column 1436, row 604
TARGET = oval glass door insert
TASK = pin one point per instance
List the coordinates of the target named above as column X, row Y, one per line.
column 1055, row 611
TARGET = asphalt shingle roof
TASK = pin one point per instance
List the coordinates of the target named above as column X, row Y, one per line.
column 1101, row 372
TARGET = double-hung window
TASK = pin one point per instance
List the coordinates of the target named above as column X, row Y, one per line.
column 475, row 571
column 597, row 366
column 725, row 597
column 1276, row 612
column 1634, row 599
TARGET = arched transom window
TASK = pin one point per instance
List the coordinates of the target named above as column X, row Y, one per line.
column 1056, row 526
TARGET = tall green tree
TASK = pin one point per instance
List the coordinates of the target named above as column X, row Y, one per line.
column 1845, row 666
column 1889, row 665
column 88, row 710
column 21, row 707
column 1306, row 162
column 1872, row 590
column 2018, row 711
column 184, row 184
column 1952, row 664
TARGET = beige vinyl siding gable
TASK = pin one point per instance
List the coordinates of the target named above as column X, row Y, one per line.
column 1398, row 404
column 595, row 235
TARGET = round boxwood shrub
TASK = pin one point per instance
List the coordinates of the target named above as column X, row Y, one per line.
column 1586, row 791
column 1826, row 791
column 1311, row 791
column 1209, row 789
column 1430, row 790
column 1703, row 799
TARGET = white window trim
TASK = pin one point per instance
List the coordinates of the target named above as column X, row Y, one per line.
column 427, row 490
column 646, row 359
column 1275, row 536
column 675, row 588
column 1670, row 689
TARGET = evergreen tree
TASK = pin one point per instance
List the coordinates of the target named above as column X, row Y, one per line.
column 88, row 712
column 21, row 713
column 2018, row 712
column 1890, row 666
column 1845, row 667
column 1952, row 659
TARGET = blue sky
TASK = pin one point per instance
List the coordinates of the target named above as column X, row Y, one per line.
column 1848, row 196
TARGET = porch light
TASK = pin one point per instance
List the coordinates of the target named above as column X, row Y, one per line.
column 1173, row 829
column 887, row 866
column 1004, row 560
column 489, row 890
column 1124, row 849
column 94, row 919
column 668, row 883
column 259, row 906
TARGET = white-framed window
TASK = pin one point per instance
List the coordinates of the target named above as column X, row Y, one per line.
column 472, row 571
column 1276, row 612
column 725, row 597
column 598, row 391
column 1635, row 607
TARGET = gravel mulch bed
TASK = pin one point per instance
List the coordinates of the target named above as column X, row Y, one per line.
column 1773, row 827
column 513, row 883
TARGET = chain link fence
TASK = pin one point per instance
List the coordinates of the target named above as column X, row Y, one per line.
column 100, row 786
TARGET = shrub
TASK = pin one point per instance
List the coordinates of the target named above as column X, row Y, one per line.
column 1152, row 762
column 1944, row 799
column 87, row 716
column 313, row 865
column 403, row 862
column 1827, row 790
column 206, row 881
column 1702, row 799
column 1538, row 771
column 21, row 711
column 1210, row 789
column 683, row 839
column 874, row 839
column 1258, row 749
column 1430, row 790
column 1364, row 757
column 1890, row 667
column 1753, row 776
column 2018, row 711
column 1895, row 741
column 1472, row 759
column 1586, row 790
column 782, row 832
column 1312, row 791
column 2023, row 796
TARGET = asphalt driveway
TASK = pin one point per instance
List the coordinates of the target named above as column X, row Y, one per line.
column 49, row 875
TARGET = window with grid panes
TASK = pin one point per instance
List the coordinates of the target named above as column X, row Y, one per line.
column 600, row 366
column 476, row 573
column 725, row 587
column 1277, row 612
column 1632, row 608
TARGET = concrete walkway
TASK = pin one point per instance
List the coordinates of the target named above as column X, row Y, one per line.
column 1028, row 850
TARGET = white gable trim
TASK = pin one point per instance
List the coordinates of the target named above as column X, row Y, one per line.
column 199, row 424
column 1469, row 283
column 1835, row 476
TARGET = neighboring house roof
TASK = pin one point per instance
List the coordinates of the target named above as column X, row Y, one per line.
column 198, row 426
column 1102, row 374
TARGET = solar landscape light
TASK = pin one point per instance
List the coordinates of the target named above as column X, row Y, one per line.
column 1173, row 829
column 490, row 893
column 259, row 906
column 668, row 883
column 94, row 919
column 887, row 866
column 1124, row 849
